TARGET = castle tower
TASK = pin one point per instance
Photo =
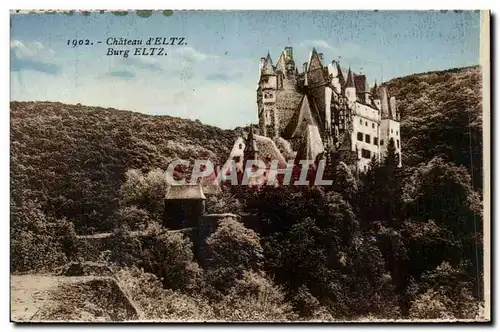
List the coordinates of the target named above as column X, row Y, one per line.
column 266, row 98
column 350, row 89
column 289, row 62
column 389, row 124
column 384, row 102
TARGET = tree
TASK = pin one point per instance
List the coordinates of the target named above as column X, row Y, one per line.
column 145, row 192
column 381, row 198
column 232, row 249
column 174, row 260
column 133, row 217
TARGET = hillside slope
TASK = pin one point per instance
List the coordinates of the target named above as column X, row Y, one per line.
column 72, row 158
column 441, row 114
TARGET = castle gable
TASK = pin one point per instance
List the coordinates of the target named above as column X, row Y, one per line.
column 302, row 117
column 287, row 103
column 280, row 65
column 314, row 61
column 311, row 146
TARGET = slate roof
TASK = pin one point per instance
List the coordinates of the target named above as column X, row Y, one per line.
column 350, row 79
column 268, row 149
column 360, row 83
column 185, row 191
column 268, row 68
column 311, row 145
column 302, row 117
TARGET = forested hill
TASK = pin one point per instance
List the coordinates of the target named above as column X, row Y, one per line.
column 72, row 158
column 441, row 114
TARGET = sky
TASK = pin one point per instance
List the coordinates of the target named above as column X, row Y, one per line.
column 213, row 76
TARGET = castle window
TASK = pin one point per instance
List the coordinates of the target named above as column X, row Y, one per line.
column 397, row 143
column 237, row 159
column 396, row 133
column 366, row 123
column 365, row 168
column 360, row 137
column 391, row 131
column 375, row 140
column 240, row 146
column 381, row 142
column 360, row 121
column 367, row 138
column 373, row 125
column 365, row 153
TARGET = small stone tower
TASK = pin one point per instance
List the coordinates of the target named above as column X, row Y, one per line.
column 266, row 98
column 184, row 206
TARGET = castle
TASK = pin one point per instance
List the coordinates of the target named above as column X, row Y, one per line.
column 323, row 111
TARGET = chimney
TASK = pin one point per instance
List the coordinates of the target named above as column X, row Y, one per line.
column 392, row 103
column 305, row 72
column 384, row 102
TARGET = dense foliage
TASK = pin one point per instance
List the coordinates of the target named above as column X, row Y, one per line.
column 441, row 115
column 72, row 159
column 391, row 243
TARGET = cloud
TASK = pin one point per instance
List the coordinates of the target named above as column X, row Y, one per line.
column 316, row 43
column 345, row 50
column 178, row 63
column 191, row 55
column 143, row 62
column 123, row 74
column 223, row 76
column 348, row 53
column 32, row 56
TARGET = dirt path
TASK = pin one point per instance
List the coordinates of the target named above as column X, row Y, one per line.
column 29, row 293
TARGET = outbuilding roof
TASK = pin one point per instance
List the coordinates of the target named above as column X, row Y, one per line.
column 185, row 191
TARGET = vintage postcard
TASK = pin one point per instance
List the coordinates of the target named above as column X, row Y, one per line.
column 249, row 166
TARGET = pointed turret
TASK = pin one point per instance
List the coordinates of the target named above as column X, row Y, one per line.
column 267, row 66
column 340, row 75
column 376, row 96
column 350, row 88
column 251, row 148
column 280, row 65
column 350, row 79
column 314, row 61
